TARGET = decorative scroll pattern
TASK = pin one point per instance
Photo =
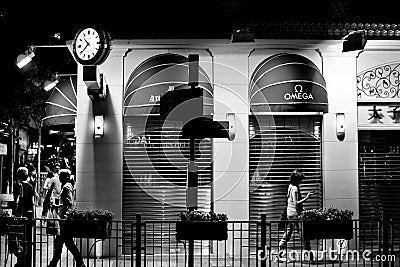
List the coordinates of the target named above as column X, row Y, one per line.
column 379, row 82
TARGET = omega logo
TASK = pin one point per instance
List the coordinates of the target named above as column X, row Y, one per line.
column 298, row 94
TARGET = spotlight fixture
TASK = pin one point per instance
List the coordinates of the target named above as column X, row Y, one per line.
column 24, row 59
column 355, row 40
column 242, row 36
column 48, row 85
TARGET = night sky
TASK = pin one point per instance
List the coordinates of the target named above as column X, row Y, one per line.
column 34, row 23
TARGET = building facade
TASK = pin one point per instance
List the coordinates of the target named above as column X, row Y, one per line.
column 297, row 104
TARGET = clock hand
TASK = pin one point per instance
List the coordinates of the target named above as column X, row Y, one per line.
column 87, row 44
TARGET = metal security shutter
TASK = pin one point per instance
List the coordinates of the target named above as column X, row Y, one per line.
column 379, row 182
column 379, row 174
column 278, row 145
column 155, row 162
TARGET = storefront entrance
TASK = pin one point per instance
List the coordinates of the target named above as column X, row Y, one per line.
column 278, row 145
column 155, row 154
column 379, row 173
column 155, row 166
column 287, row 100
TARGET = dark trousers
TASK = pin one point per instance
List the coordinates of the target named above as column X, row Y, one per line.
column 59, row 241
column 291, row 226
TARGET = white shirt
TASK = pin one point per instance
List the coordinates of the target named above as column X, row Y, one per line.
column 292, row 200
column 46, row 184
column 55, row 184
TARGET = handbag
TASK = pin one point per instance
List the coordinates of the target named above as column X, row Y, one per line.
column 299, row 207
column 284, row 214
column 52, row 224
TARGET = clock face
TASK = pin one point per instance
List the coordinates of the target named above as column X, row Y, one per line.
column 91, row 46
column 87, row 44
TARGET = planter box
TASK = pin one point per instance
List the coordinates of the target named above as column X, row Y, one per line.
column 86, row 229
column 12, row 225
column 3, row 225
column 201, row 230
column 328, row 230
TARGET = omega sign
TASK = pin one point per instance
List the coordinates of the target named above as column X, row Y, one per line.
column 298, row 94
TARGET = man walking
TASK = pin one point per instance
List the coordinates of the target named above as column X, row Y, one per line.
column 66, row 204
column 23, row 207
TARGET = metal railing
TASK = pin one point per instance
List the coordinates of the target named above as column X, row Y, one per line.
column 249, row 243
column 372, row 243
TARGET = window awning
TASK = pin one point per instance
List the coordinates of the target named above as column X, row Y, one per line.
column 288, row 83
column 154, row 77
column 61, row 106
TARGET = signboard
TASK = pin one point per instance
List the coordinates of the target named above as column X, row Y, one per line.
column 377, row 115
column 32, row 151
column 3, row 149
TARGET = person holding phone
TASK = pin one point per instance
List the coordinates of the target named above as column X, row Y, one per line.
column 294, row 208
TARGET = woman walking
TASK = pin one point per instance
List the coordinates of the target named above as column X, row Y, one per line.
column 294, row 209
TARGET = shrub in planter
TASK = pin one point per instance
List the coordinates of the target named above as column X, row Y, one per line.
column 328, row 223
column 87, row 223
column 199, row 225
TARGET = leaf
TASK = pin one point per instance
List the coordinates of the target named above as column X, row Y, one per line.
column 197, row 215
column 95, row 214
column 326, row 214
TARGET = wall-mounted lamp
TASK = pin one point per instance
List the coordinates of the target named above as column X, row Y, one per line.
column 340, row 131
column 230, row 117
column 98, row 126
